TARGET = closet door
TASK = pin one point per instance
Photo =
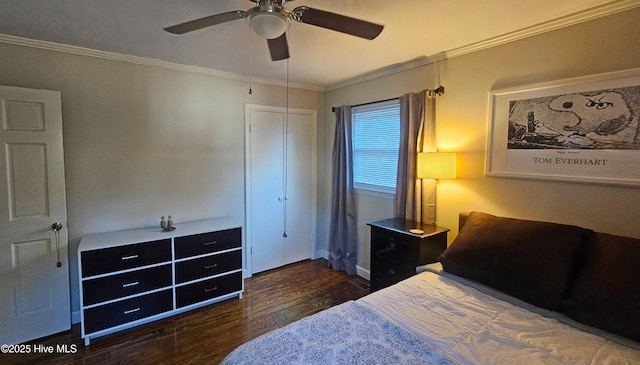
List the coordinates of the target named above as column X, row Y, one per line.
column 299, row 189
column 266, row 190
column 281, row 186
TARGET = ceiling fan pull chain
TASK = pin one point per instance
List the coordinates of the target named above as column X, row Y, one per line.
column 286, row 152
column 250, row 62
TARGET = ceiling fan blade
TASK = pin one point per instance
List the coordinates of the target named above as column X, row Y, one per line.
column 337, row 22
column 205, row 22
column 278, row 48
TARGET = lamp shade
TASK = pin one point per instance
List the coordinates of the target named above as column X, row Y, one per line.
column 437, row 165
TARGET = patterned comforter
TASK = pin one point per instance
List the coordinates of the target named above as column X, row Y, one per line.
column 344, row 334
column 437, row 318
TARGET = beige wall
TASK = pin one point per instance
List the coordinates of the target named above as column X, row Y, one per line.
column 142, row 141
column 606, row 44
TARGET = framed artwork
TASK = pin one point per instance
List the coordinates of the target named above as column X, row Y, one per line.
column 583, row 130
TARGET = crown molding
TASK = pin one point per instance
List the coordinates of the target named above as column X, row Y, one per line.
column 583, row 16
column 143, row 61
column 569, row 20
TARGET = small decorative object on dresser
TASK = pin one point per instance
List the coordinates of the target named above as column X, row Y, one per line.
column 396, row 251
column 133, row 277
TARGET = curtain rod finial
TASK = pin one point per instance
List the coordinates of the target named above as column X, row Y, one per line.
column 439, row 90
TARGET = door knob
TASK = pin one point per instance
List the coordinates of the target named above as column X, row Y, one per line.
column 56, row 227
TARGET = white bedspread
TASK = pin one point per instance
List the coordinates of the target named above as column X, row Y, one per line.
column 436, row 318
column 476, row 328
column 344, row 334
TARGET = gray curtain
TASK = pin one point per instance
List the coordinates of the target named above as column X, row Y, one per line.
column 343, row 238
column 415, row 199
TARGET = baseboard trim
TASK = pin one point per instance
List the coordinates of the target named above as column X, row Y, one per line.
column 322, row 254
column 362, row 272
column 75, row 317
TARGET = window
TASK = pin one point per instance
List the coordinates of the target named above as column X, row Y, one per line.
column 376, row 141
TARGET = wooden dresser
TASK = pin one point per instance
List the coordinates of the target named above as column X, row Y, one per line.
column 396, row 251
column 128, row 278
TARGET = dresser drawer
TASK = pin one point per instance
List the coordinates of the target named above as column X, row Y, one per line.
column 382, row 239
column 106, row 260
column 208, row 289
column 208, row 266
column 203, row 243
column 390, row 272
column 124, row 311
column 121, row 285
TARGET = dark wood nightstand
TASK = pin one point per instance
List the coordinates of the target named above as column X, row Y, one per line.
column 395, row 252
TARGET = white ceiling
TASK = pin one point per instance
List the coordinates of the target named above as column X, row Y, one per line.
column 414, row 29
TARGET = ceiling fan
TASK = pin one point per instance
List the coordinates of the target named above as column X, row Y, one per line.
column 270, row 19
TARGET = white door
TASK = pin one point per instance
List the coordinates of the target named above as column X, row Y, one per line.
column 266, row 190
column 281, row 186
column 34, row 266
column 300, row 192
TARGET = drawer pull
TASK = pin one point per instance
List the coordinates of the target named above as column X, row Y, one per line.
column 211, row 266
column 392, row 271
column 211, row 289
column 210, row 243
column 130, row 284
column 132, row 311
column 131, row 257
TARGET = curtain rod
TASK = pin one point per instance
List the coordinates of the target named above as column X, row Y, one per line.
column 439, row 90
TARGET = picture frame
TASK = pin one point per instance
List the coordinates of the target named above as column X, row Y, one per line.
column 584, row 129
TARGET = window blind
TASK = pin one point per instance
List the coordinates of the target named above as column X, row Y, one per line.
column 376, row 141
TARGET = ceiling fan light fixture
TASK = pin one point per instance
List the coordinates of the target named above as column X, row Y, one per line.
column 268, row 25
column 270, row 20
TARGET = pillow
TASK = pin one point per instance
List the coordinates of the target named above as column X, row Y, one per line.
column 606, row 294
column 530, row 260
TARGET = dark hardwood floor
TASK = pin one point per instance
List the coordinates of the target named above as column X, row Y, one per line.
column 205, row 336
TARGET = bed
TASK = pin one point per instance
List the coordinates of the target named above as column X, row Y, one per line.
column 507, row 291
